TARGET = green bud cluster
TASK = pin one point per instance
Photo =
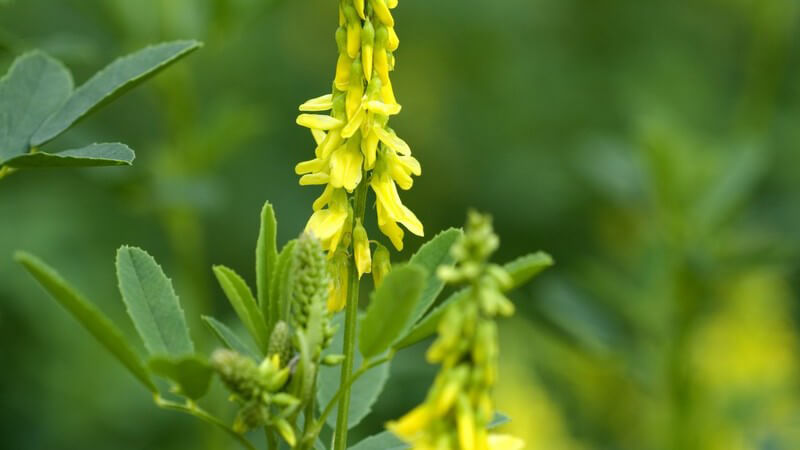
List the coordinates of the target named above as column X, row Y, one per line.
column 310, row 293
column 257, row 388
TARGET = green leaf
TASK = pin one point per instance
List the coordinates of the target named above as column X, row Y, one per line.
column 94, row 155
column 229, row 338
column 280, row 286
column 381, row 441
column 95, row 322
column 244, row 304
column 152, row 304
column 389, row 312
column 387, row 441
column 521, row 271
column 430, row 256
column 191, row 374
column 365, row 390
column 34, row 87
column 266, row 258
column 116, row 78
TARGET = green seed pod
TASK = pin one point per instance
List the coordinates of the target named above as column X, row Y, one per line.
column 332, row 360
column 286, row 431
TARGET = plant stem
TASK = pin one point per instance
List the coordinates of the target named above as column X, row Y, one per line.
column 351, row 319
column 345, row 387
column 272, row 442
column 191, row 408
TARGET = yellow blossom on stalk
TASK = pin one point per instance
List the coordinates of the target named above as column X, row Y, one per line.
column 355, row 147
column 361, row 246
column 458, row 408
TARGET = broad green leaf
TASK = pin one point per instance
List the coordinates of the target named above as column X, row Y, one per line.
column 94, row 155
column 244, row 304
column 152, row 304
column 430, row 256
column 229, row 338
column 191, row 373
column 389, row 313
column 521, row 271
column 266, row 258
column 116, row 78
column 381, row 441
column 365, row 390
column 34, row 87
column 280, row 286
column 388, row 441
column 95, row 322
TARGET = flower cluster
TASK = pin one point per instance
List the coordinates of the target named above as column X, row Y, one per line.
column 354, row 144
column 458, row 408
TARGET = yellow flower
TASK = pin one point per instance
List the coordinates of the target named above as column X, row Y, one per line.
column 392, row 210
column 361, row 247
column 337, row 299
column 409, row 426
column 328, row 224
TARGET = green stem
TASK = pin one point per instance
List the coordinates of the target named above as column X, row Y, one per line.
column 345, row 387
column 272, row 441
column 191, row 408
column 351, row 319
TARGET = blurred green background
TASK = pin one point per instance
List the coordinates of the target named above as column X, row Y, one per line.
column 650, row 146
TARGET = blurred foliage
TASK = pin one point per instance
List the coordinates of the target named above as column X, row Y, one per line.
column 651, row 147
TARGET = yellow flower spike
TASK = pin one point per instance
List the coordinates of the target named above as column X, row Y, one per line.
column 367, row 45
column 337, row 298
column 346, row 164
column 391, row 140
column 465, row 423
column 321, row 103
column 382, row 12
column 393, row 41
column 369, row 147
column 355, row 122
column 408, row 426
column 353, row 32
column 359, row 4
column 361, row 249
column 505, row 442
column 318, row 121
column 325, row 224
column 389, row 227
column 381, row 265
column 314, row 179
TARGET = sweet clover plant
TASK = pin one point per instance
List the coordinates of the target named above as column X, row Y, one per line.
column 313, row 358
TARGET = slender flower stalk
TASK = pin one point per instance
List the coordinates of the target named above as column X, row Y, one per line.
column 458, row 408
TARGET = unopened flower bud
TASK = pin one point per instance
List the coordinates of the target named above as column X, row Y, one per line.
column 381, row 264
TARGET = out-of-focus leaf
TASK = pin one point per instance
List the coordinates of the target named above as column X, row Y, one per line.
column 430, row 256
column 244, row 304
column 364, row 391
column 34, row 87
column 521, row 271
column 152, row 304
column 389, row 312
column 266, row 258
column 95, row 155
column 229, row 338
column 116, row 78
column 191, row 374
column 95, row 322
